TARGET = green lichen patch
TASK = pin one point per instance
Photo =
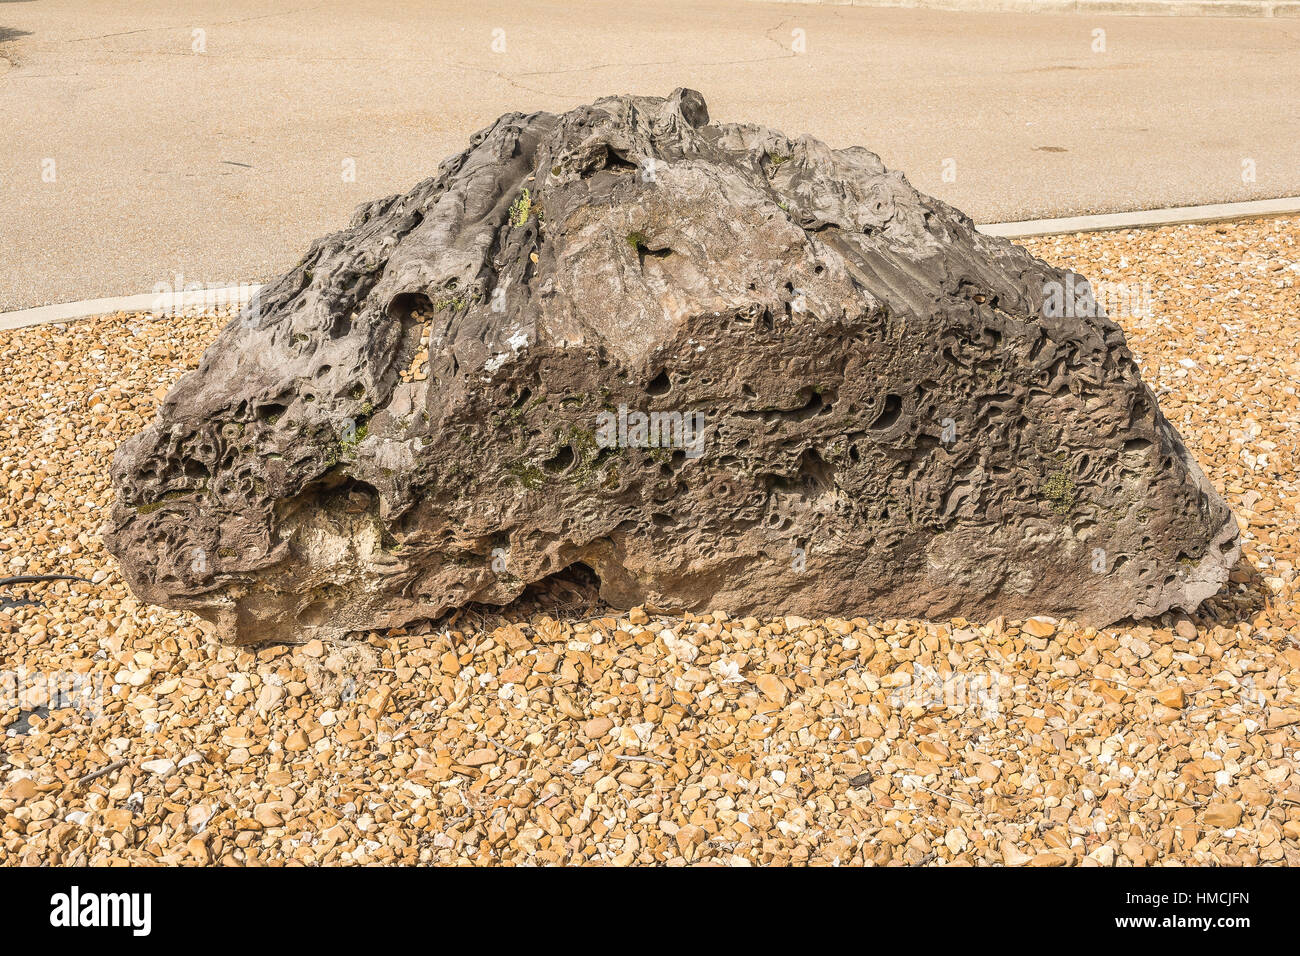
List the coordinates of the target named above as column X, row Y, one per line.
column 527, row 474
column 1059, row 490
column 520, row 209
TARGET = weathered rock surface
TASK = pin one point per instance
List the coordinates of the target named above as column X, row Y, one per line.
column 440, row 404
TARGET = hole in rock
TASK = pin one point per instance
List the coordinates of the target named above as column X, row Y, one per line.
column 405, row 306
column 414, row 312
column 341, row 325
column 572, row 593
column 893, row 407
column 616, row 161
column 814, row 473
column 562, row 460
column 660, row 385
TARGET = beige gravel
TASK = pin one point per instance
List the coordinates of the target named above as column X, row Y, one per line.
column 637, row 738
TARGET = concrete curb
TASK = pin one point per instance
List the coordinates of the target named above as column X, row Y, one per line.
column 1253, row 9
column 1145, row 218
column 242, row 294
column 231, row 295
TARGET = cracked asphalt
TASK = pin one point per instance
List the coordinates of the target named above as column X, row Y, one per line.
column 142, row 142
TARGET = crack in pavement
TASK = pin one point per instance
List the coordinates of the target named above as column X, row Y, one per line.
column 219, row 23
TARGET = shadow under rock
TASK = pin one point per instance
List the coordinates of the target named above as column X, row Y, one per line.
column 569, row 595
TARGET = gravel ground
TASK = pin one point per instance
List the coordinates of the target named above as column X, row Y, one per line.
column 636, row 738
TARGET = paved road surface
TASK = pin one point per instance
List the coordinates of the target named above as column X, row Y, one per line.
column 221, row 165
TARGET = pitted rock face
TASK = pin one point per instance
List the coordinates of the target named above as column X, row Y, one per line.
column 719, row 367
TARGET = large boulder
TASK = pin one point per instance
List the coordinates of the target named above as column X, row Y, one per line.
column 717, row 366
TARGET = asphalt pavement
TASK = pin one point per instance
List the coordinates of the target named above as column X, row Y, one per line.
column 214, row 140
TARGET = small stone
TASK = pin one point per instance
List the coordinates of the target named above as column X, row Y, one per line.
column 1279, row 717
column 480, row 757
column 269, row 697
column 1103, row 855
column 198, row 815
column 771, row 686
column 955, row 840
column 690, row 836
column 1226, row 815
column 198, row 850
column 567, row 706
column 22, row 789
column 267, row 816
column 1171, row 697
column 1012, row 855
column 1039, row 627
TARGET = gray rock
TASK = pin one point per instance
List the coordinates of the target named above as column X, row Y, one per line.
column 863, row 406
